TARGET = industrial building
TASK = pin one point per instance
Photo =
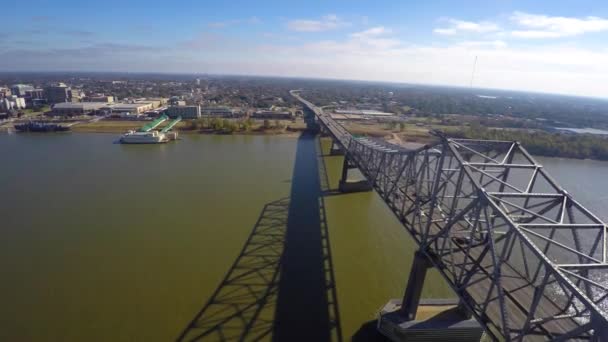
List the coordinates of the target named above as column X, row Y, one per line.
column 80, row 108
column 186, row 112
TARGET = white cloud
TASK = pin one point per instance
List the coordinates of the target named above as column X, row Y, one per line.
column 372, row 32
column 543, row 26
column 460, row 26
column 375, row 37
column 445, row 31
column 328, row 22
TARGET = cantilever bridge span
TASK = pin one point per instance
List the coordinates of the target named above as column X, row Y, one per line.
column 524, row 257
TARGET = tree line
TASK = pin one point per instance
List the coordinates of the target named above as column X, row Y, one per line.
column 579, row 146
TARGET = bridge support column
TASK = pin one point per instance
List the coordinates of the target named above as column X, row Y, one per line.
column 415, row 284
column 347, row 185
column 335, row 149
column 416, row 319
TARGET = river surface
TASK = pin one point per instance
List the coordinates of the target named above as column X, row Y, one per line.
column 107, row 242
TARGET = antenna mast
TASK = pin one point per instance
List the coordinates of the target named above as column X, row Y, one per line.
column 473, row 73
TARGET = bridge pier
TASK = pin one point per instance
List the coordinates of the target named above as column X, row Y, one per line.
column 416, row 319
column 347, row 185
column 335, row 149
column 415, row 284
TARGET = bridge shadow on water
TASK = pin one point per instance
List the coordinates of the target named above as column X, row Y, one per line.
column 281, row 287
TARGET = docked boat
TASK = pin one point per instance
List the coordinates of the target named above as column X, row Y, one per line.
column 33, row 126
column 150, row 137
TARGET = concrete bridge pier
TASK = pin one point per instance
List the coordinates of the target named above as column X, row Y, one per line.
column 347, row 185
column 416, row 319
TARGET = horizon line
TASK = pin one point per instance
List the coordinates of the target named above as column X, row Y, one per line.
column 463, row 87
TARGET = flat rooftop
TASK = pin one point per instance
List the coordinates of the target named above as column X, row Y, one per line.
column 129, row 105
column 80, row 105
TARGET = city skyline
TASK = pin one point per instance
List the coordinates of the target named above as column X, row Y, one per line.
column 545, row 46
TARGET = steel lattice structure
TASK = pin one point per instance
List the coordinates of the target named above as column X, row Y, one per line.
column 522, row 254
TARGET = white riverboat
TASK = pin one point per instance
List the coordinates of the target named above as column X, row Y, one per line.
column 150, row 137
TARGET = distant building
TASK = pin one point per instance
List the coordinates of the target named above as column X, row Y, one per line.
column 71, row 108
column 176, row 101
column 35, row 98
column 5, row 92
column 99, row 98
column 218, row 111
column 19, row 102
column 198, row 81
column 61, row 93
column 133, row 108
column 154, row 103
column 5, row 105
column 269, row 114
column 12, row 103
column 20, row 89
column 162, row 100
column 186, row 112
column 35, row 94
column 156, row 112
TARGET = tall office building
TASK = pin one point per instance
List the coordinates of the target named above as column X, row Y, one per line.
column 59, row 93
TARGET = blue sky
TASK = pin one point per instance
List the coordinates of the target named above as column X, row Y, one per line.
column 542, row 45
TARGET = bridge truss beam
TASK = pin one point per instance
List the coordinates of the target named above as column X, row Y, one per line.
column 523, row 255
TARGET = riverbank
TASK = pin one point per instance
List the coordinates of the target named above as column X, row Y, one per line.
column 289, row 128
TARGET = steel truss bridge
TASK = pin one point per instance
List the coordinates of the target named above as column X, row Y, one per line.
column 523, row 256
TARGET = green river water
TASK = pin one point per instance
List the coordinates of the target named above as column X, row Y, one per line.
column 107, row 242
